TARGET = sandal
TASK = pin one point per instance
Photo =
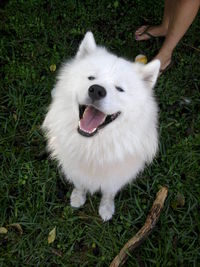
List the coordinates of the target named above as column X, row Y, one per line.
column 151, row 36
column 162, row 71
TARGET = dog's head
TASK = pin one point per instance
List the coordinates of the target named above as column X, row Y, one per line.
column 108, row 89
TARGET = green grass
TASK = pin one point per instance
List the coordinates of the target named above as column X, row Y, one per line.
column 36, row 34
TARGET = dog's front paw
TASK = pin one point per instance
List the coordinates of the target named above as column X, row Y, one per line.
column 106, row 210
column 77, row 198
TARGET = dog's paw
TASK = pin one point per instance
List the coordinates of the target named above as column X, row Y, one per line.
column 106, row 210
column 77, row 198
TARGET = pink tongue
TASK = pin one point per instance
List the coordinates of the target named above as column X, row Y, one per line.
column 92, row 118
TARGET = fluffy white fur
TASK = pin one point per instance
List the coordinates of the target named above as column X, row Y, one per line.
column 118, row 152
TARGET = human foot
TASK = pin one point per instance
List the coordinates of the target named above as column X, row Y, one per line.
column 147, row 32
column 166, row 67
column 165, row 63
column 165, row 58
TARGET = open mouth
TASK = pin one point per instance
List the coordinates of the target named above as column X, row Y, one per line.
column 92, row 119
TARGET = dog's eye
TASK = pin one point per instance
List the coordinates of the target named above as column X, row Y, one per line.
column 91, row 78
column 119, row 89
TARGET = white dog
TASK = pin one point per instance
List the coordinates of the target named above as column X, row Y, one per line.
column 102, row 123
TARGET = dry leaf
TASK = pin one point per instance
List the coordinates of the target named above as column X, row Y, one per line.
column 179, row 201
column 15, row 116
column 52, row 68
column 3, row 230
column 17, row 226
column 52, row 235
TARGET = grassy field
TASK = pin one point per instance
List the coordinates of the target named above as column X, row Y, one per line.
column 34, row 36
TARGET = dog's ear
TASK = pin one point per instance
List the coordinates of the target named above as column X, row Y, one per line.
column 87, row 46
column 150, row 72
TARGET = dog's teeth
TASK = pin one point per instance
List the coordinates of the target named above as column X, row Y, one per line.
column 93, row 130
column 103, row 120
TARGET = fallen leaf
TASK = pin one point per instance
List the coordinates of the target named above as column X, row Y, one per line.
column 15, row 116
column 179, row 201
column 52, row 68
column 52, row 235
column 17, row 226
column 3, row 230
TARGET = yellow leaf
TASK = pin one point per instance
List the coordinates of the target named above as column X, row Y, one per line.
column 179, row 201
column 141, row 59
column 52, row 235
column 17, row 226
column 3, row 230
column 52, row 67
column 15, row 116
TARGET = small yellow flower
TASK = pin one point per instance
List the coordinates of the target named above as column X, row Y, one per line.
column 141, row 59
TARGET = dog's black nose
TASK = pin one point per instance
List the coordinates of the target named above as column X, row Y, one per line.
column 96, row 92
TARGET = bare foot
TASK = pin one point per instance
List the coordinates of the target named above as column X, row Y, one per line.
column 146, row 32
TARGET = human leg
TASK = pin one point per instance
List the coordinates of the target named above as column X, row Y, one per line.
column 184, row 13
column 158, row 30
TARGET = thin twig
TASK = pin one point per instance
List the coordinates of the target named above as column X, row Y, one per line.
column 190, row 46
column 142, row 234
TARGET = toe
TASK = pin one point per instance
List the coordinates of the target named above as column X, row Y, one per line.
column 141, row 37
column 141, row 29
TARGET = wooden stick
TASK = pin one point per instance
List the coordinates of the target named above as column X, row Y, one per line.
column 143, row 233
column 190, row 46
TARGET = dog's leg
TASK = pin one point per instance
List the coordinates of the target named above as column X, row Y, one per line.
column 78, row 197
column 107, row 206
